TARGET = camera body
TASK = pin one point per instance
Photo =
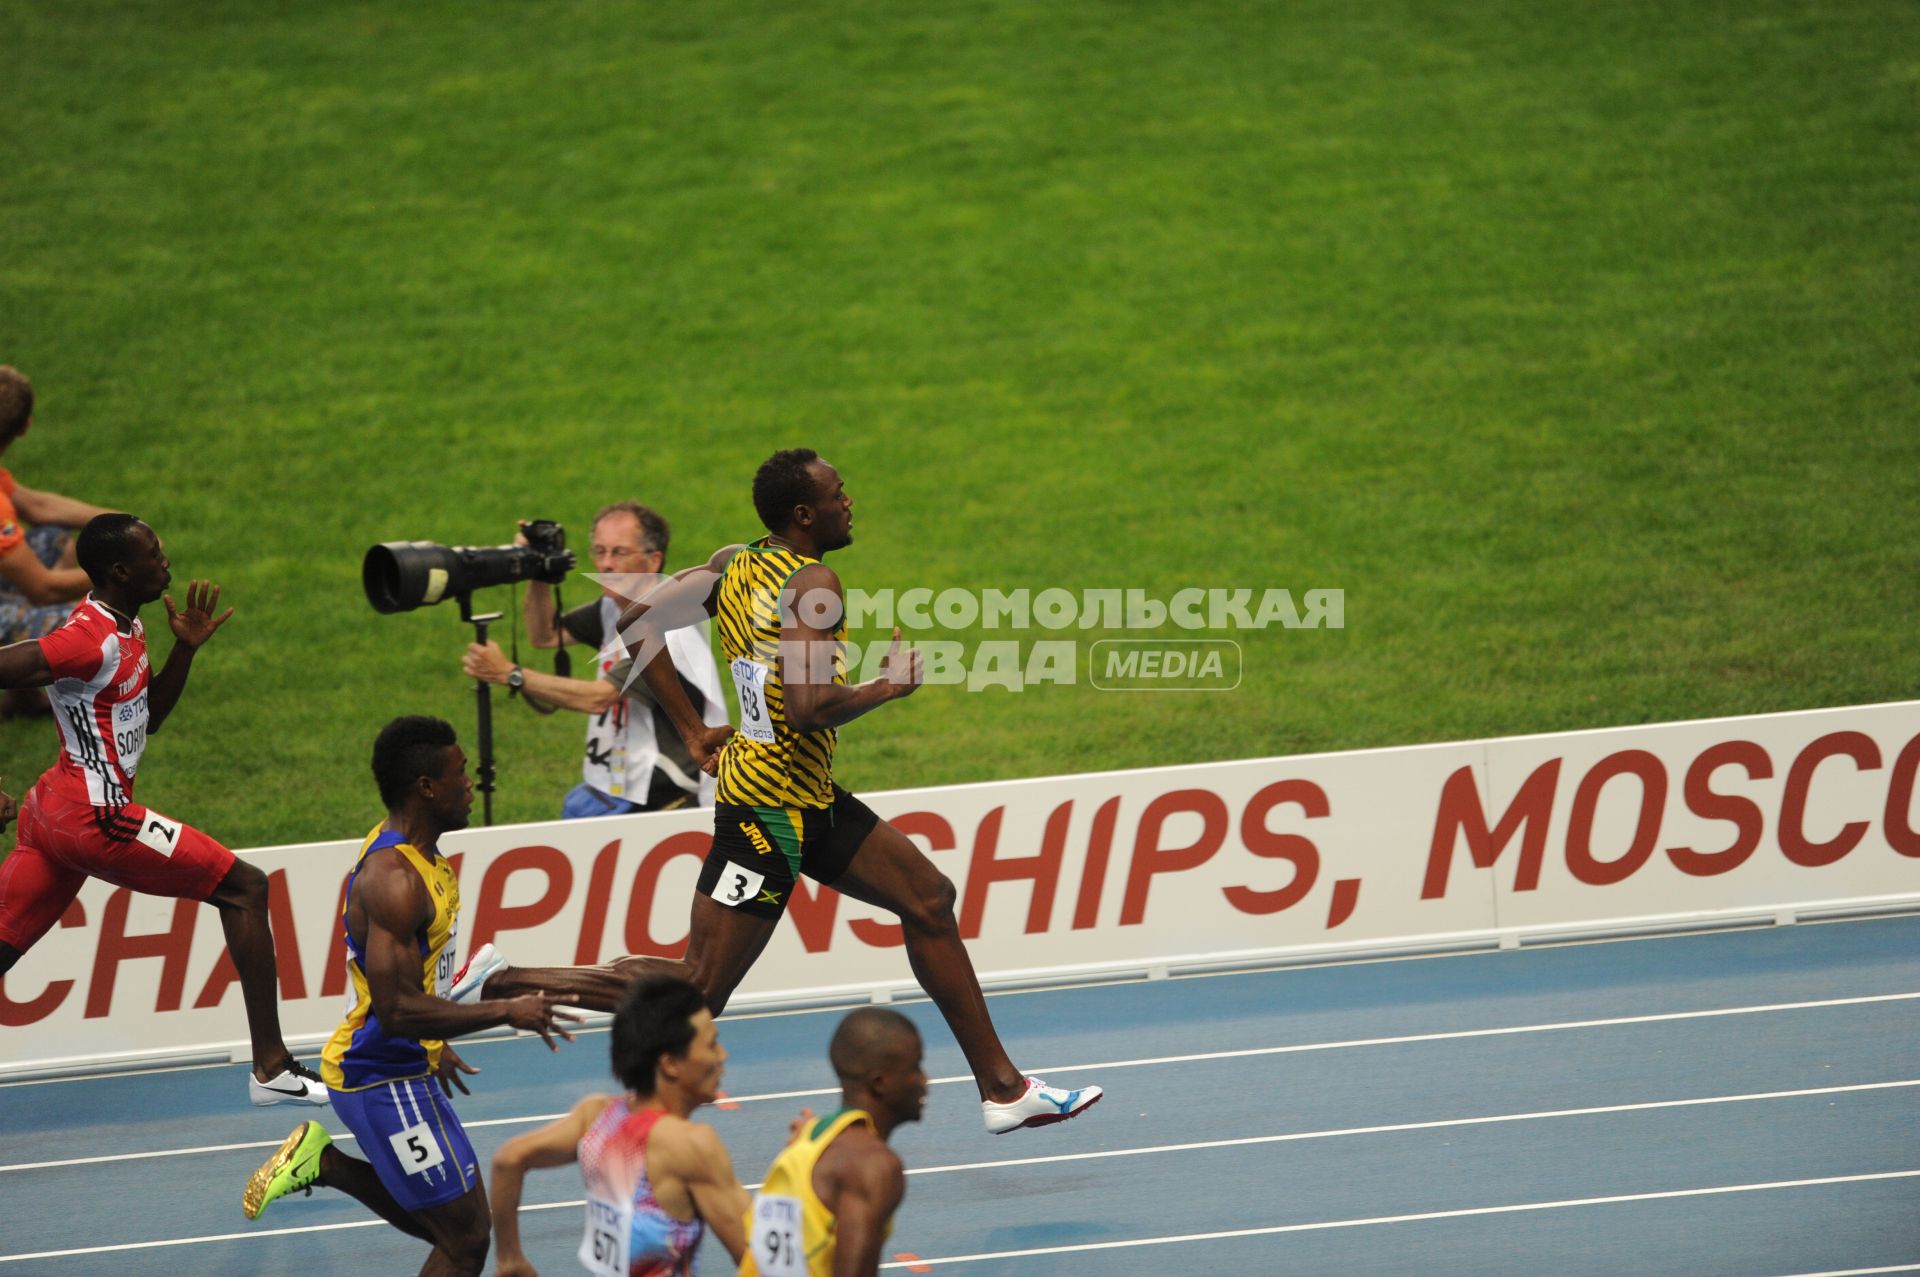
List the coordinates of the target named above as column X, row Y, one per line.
column 548, row 538
column 402, row 575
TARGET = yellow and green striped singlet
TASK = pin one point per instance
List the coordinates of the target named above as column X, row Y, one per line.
column 766, row 763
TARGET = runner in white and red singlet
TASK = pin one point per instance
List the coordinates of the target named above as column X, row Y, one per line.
column 80, row 819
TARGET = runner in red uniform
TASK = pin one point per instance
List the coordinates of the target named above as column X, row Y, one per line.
column 80, row 819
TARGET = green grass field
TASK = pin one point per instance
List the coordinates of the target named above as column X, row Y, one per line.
column 1568, row 339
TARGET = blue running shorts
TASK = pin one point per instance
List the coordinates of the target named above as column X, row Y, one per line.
column 408, row 1131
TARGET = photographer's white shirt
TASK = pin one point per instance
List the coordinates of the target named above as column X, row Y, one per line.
column 624, row 744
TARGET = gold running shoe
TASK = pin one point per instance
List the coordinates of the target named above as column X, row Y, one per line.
column 295, row 1165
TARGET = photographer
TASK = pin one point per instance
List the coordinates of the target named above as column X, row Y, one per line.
column 635, row 760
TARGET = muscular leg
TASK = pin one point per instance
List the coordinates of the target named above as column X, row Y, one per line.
column 724, row 946
column 358, row 1180
column 34, row 892
column 891, row 872
column 241, row 899
column 461, row 1230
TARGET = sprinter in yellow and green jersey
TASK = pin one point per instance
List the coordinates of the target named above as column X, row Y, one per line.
column 828, row 1200
column 781, row 614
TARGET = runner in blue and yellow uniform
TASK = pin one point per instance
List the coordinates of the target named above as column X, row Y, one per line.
column 778, row 814
column 388, row 1059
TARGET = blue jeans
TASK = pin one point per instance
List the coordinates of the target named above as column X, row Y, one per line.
column 583, row 801
column 20, row 619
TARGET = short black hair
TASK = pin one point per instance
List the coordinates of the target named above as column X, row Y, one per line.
column 781, row 483
column 655, row 1018
column 407, row 749
column 106, row 540
column 867, row 1039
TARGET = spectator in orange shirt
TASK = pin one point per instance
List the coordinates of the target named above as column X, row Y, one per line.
column 39, row 578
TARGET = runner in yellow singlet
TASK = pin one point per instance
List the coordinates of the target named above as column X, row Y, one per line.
column 828, row 1201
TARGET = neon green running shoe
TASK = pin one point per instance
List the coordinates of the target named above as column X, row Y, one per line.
column 295, row 1165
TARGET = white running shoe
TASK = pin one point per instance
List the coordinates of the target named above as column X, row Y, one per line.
column 295, row 1084
column 1042, row 1105
column 481, row 963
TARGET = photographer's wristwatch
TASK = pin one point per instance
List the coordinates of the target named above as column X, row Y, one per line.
column 516, row 678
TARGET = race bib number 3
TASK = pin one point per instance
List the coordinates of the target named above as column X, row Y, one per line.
column 777, row 1240
column 416, row 1148
column 737, row 885
column 159, row 833
column 750, row 683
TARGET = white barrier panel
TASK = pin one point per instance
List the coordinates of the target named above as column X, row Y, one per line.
column 1077, row 875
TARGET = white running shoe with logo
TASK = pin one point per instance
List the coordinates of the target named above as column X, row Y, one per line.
column 295, row 1084
column 472, row 978
column 1042, row 1105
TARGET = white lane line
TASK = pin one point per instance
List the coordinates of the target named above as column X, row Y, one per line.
column 1460, row 1034
column 1293, row 1137
column 1272, row 1230
column 1248, row 1052
column 1327, row 1225
column 1401, row 1128
column 1860, row 1272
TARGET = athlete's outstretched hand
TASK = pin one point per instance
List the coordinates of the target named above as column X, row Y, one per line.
column 197, row 624
column 520, row 1267
column 451, row 1067
column 904, row 670
column 8, row 809
column 540, row 1013
column 707, row 745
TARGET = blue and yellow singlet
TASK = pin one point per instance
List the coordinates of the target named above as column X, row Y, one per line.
column 361, row 1053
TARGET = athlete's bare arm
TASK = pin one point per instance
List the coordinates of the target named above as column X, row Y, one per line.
column 813, row 703
column 697, row 1155
column 391, row 903
column 23, row 664
column 555, row 1144
column 862, row 1182
column 190, row 628
column 686, row 598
